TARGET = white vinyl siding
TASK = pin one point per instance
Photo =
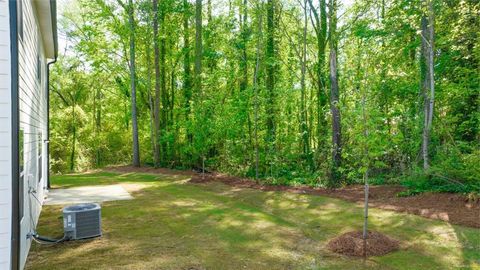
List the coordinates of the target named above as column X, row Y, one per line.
column 5, row 137
column 33, row 121
column 33, row 125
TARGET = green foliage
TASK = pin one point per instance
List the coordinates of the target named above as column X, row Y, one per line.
column 378, row 70
column 419, row 183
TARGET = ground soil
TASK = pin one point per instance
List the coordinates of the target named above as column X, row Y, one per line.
column 352, row 244
column 454, row 208
column 129, row 169
column 451, row 207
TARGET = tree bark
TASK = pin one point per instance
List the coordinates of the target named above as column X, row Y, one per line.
column 209, row 12
column 255, row 86
column 156, row 105
column 136, row 150
column 74, row 137
column 163, row 84
column 320, row 27
column 270, row 72
column 303, row 109
column 187, row 81
column 198, row 46
column 97, row 114
column 334, row 95
column 243, row 57
column 428, row 84
column 151, row 106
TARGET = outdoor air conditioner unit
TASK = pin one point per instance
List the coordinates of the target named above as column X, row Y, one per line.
column 82, row 221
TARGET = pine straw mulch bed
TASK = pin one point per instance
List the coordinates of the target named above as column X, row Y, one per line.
column 352, row 244
column 454, row 208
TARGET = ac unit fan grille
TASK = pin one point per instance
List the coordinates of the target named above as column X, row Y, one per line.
column 89, row 224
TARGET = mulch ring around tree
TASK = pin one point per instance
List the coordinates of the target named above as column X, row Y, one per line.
column 352, row 244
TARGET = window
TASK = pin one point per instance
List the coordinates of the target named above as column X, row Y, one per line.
column 21, row 166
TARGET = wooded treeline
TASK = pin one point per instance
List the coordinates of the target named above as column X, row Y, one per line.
column 296, row 91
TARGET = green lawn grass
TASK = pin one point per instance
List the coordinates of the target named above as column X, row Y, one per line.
column 172, row 224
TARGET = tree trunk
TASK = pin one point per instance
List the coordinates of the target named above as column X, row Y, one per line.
column 321, row 34
column 366, row 165
column 198, row 46
column 187, row 81
column 163, row 85
column 209, row 12
column 74, row 138
column 156, row 105
column 151, row 106
column 243, row 57
column 136, row 150
column 255, row 86
column 428, row 84
column 198, row 74
column 97, row 114
column 303, row 109
column 171, row 104
column 334, row 95
column 270, row 79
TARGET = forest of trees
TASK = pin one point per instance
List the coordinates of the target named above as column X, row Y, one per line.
column 315, row 92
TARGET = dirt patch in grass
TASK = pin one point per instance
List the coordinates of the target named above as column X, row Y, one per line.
column 134, row 187
column 454, row 208
column 352, row 244
column 149, row 170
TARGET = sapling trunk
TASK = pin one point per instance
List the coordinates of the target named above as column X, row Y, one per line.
column 203, row 167
column 365, row 215
column 255, row 87
column 365, row 175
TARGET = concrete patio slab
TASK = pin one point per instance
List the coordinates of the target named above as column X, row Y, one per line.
column 87, row 194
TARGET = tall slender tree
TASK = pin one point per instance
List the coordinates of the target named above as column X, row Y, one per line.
column 255, row 84
column 133, row 86
column 270, row 75
column 187, row 80
column 320, row 27
column 198, row 47
column 334, row 95
column 157, row 84
column 244, row 40
column 303, row 70
column 428, row 83
column 163, row 82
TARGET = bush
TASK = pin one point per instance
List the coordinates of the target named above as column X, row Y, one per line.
column 420, row 182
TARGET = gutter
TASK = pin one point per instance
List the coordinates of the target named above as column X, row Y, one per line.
column 15, row 236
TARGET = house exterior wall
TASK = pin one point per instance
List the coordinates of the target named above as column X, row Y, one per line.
column 32, row 115
column 5, row 137
column 33, row 122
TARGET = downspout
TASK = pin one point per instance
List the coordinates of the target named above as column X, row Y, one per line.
column 15, row 124
column 48, row 121
column 53, row 10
